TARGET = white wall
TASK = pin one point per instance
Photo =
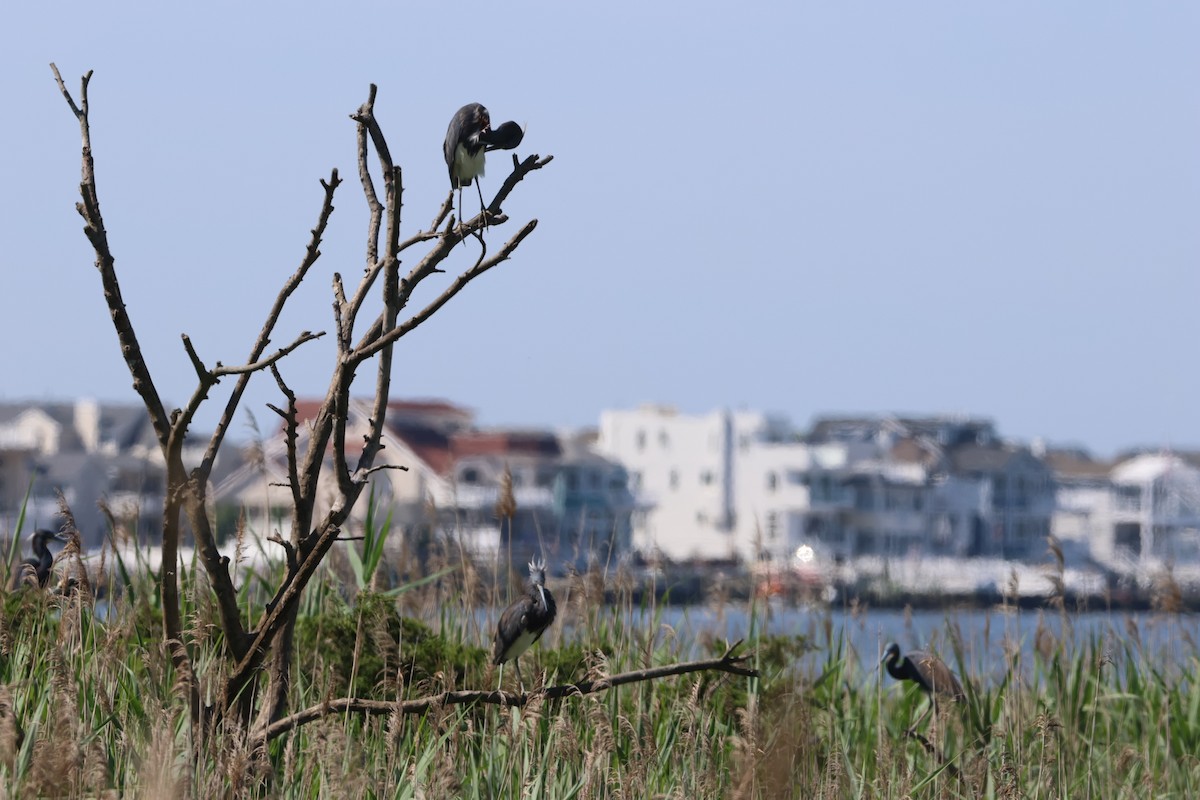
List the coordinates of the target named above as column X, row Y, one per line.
column 683, row 467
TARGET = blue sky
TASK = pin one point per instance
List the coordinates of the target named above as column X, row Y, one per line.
column 806, row 208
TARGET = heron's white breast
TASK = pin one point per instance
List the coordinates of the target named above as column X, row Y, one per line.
column 467, row 166
column 520, row 645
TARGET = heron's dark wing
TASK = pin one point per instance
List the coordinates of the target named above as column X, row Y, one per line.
column 510, row 627
column 465, row 128
column 935, row 676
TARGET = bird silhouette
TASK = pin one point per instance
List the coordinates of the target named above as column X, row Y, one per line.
column 38, row 567
column 927, row 671
column 524, row 622
column 469, row 137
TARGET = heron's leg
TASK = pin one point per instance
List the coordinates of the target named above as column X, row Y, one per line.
column 482, row 209
column 462, row 226
column 924, row 714
column 517, row 666
column 500, row 683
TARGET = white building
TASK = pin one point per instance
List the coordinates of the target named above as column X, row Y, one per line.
column 772, row 497
column 683, row 470
column 1153, row 514
column 746, row 485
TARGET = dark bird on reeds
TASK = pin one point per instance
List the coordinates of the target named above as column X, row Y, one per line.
column 38, row 567
column 524, row 622
column 927, row 671
column 468, row 138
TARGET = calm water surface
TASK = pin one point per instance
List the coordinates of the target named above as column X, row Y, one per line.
column 1167, row 641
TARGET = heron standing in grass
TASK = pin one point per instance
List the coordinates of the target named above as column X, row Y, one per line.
column 468, row 138
column 38, row 567
column 524, row 622
column 927, row 671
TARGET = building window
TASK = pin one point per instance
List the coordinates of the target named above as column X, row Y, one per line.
column 469, row 476
column 635, row 480
column 863, row 500
column 674, row 479
column 772, row 526
column 664, row 440
column 772, row 481
column 641, row 441
column 706, row 477
column 1129, row 498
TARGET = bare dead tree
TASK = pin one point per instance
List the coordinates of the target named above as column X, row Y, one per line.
column 250, row 645
column 264, row 644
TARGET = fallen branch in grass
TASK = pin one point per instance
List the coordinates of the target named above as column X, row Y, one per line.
column 726, row 663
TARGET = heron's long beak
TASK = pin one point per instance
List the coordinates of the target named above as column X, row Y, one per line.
column 542, row 594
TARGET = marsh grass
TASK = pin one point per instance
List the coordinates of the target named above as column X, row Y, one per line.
column 90, row 703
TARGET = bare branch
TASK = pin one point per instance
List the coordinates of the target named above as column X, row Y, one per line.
column 291, row 434
column 361, row 475
column 447, row 206
column 367, row 110
column 520, row 170
column 288, row 549
column 305, row 336
column 339, row 310
column 726, row 663
column 94, row 229
column 370, row 348
column 368, row 126
column 79, row 113
column 202, row 373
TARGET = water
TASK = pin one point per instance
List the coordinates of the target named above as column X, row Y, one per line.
column 988, row 637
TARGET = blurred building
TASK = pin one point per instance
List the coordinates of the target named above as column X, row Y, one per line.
column 746, row 484
column 90, row 453
column 494, row 491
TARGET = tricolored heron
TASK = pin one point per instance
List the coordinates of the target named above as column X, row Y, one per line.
column 927, row 671
column 468, row 138
column 38, row 567
column 524, row 622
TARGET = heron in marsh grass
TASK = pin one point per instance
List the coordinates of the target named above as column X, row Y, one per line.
column 524, row 622
column 469, row 137
column 927, row 671
column 38, row 567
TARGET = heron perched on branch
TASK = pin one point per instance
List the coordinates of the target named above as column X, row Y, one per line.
column 468, row 138
column 524, row 622
column 927, row 671
column 38, row 567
